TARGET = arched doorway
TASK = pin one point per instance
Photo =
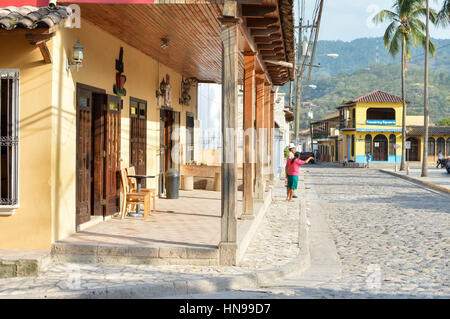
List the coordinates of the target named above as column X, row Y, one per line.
column 448, row 147
column 440, row 146
column 380, row 148
column 412, row 154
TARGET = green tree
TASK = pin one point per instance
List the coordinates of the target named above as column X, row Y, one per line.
column 444, row 122
column 443, row 17
column 405, row 29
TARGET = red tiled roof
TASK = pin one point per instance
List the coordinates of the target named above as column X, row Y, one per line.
column 29, row 17
column 378, row 96
column 432, row 130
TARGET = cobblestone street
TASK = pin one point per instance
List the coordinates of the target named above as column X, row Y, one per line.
column 392, row 239
column 274, row 244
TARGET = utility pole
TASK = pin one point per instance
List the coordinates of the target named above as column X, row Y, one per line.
column 425, row 96
column 299, row 81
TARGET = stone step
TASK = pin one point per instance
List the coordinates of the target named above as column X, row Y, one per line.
column 22, row 263
column 133, row 254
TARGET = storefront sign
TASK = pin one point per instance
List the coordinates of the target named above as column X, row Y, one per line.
column 380, row 122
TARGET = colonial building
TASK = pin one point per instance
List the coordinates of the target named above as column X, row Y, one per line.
column 89, row 90
column 372, row 124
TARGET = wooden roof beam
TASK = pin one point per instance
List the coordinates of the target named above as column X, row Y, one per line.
column 260, row 23
column 256, row 11
column 264, row 32
column 248, row 39
column 40, row 40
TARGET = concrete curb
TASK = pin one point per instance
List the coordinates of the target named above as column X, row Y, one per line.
column 417, row 181
column 201, row 286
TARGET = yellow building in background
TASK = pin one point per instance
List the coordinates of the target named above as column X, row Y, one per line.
column 372, row 124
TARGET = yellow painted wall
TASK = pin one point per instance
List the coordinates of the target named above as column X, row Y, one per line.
column 415, row 120
column 101, row 50
column 361, row 114
column 48, row 125
column 30, row 226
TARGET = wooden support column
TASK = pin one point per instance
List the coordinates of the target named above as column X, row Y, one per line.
column 271, row 136
column 267, row 94
column 249, row 128
column 230, row 62
column 259, row 115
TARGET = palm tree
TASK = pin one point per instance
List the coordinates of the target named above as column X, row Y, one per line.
column 443, row 16
column 405, row 28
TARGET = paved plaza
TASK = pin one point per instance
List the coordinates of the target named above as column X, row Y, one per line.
column 391, row 237
column 274, row 244
column 372, row 235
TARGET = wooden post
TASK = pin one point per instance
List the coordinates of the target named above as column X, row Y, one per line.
column 259, row 114
column 230, row 62
column 267, row 94
column 249, row 127
column 271, row 135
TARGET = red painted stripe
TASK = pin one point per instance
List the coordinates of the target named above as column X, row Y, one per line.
column 44, row 3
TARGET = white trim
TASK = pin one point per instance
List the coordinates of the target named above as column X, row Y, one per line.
column 9, row 210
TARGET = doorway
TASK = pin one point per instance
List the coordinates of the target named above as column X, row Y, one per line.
column 169, row 125
column 97, row 154
column 138, row 136
column 412, row 154
column 380, row 148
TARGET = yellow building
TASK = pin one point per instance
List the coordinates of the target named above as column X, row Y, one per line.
column 87, row 93
column 372, row 124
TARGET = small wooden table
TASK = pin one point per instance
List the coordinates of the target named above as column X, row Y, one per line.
column 139, row 179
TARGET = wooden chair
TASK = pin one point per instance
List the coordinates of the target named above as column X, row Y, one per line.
column 133, row 186
column 133, row 198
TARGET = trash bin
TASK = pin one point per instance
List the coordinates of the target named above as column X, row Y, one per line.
column 172, row 183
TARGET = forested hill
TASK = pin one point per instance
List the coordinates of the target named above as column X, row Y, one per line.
column 361, row 53
column 330, row 92
column 355, row 73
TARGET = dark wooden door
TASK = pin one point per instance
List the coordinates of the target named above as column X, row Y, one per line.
column 112, row 152
column 138, row 136
column 99, row 154
column 412, row 154
column 380, row 148
column 84, row 156
column 166, row 122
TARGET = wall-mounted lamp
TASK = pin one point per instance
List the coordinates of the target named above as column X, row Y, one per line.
column 77, row 55
column 164, row 43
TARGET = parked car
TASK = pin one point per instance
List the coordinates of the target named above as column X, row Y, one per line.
column 305, row 155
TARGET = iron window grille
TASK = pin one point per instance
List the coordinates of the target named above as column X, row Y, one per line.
column 9, row 137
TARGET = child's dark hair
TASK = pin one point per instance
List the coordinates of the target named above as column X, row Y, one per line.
column 296, row 156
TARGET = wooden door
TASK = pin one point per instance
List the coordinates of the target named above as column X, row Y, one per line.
column 380, row 148
column 83, row 156
column 98, row 132
column 112, row 152
column 138, row 136
column 412, row 154
column 166, row 121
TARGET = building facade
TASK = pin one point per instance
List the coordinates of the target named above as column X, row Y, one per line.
column 80, row 103
column 372, row 124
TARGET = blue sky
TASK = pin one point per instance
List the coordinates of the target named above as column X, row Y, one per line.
column 350, row 19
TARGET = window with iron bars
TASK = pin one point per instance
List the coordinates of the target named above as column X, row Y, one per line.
column 9, row 139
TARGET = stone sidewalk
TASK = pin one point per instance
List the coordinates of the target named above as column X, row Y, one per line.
column 372, row 236
column 273, row 247
column 437, row 178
